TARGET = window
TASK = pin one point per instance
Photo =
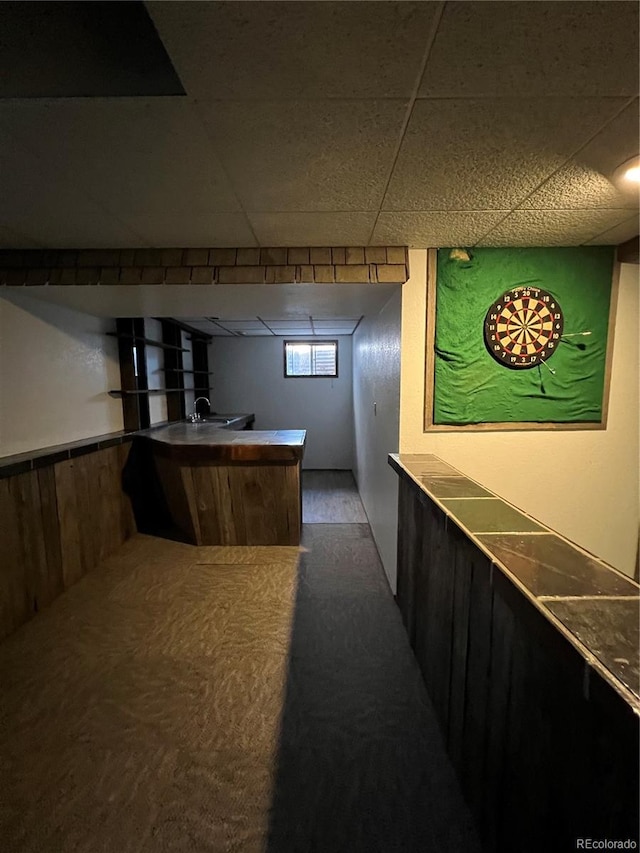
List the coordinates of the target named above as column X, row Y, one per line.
column 304, row 358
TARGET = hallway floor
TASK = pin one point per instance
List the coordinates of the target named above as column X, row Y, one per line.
column 224, row 699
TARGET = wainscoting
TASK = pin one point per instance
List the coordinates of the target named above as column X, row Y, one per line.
column 543, row 736
column 59, row 520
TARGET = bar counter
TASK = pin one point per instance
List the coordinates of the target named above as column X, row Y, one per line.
column 230, row 487
column 213, row 442
column 529, row 649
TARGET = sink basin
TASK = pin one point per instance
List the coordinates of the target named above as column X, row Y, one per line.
column 212, row 419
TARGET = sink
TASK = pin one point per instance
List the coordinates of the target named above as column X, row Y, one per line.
column 212, row 419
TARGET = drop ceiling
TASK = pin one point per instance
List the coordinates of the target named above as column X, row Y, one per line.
column 325, row 123
column 308, row 327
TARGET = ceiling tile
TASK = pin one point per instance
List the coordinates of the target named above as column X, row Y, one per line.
column 14, row 240
column 532, row 48
column 335, row 323
column 144, row 158
column 289, row 324
column 585, row 181
column 234, row 325
column 421, row 228
column 488, row 153
column 306, row 155
column 313, row 229
column 57, row 213
column 110, row 49
column 618, row 234
column 291, row 50
column 193, row 229
column 552, row 227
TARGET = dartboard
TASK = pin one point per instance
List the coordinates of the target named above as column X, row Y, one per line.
column 523, row 327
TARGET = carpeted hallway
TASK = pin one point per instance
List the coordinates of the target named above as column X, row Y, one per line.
column 225, row 699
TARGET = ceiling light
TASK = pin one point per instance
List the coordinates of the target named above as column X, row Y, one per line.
column 629, row 171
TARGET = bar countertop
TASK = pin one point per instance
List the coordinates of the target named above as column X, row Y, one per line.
column 593, row 604
column 208, row 442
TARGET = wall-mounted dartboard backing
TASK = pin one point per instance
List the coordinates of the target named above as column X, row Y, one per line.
column 523, row 327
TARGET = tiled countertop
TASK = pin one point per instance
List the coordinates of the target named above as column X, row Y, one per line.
column 208, row 442
column 593, row 604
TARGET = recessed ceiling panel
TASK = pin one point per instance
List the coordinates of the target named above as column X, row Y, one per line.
column 82, row 49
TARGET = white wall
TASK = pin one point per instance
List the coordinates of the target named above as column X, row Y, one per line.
column 590, row 493
column 248, row 376
column 155, row 372
column 56, row 366
column 376, row 379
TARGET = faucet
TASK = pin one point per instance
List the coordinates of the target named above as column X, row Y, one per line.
column 196, row 416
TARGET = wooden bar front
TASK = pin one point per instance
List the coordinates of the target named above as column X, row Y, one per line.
column 232, row 488
column 542, row 729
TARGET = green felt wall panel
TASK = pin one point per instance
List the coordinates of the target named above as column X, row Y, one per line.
column 471, row 387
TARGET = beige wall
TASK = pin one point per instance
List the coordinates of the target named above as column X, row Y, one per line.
column 56, row 366
column 592, row 495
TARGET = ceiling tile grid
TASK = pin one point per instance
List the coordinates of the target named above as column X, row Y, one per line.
column 557, row 227
column 306, row 155
column 328, row 123
column 266, row 50
column 276, row 326
column 484, row 153
column 529, row 49
column 585, row 181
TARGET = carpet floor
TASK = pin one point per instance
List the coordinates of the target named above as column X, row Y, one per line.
column 222, row 699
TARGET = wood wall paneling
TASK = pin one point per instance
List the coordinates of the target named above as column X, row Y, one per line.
column 478, row 662
column 58, row 522
column 462, row 581
column 545, row 749
column 410, row 542
column 13, row 588
column 236, row 504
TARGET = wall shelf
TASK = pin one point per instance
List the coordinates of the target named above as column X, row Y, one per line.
column 135, row 366
column 147, row 341
column 183, row 370
column 118, row 392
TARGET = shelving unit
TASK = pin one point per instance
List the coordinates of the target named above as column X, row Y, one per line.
column 135, row 392
column 147, row 341
column 118, row 392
